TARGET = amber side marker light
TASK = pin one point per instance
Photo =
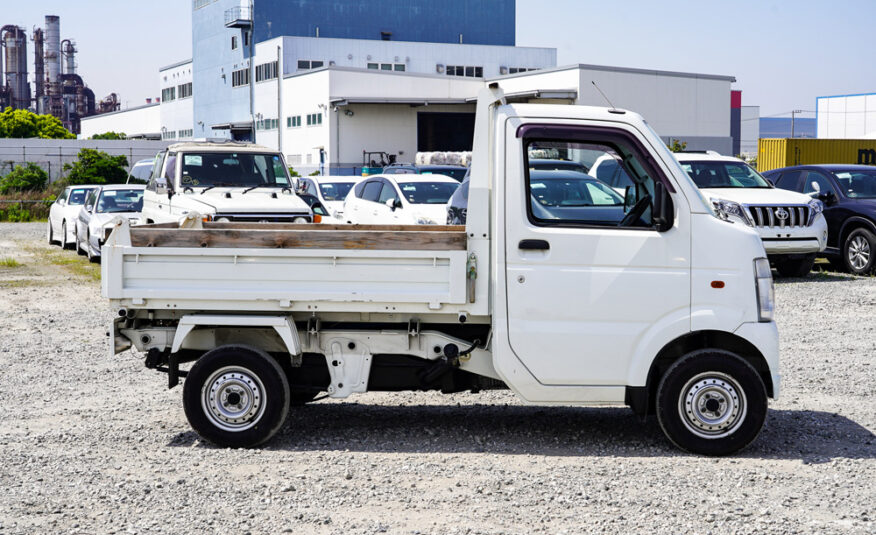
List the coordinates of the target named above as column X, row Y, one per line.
column 717, row 284
column 317, row 218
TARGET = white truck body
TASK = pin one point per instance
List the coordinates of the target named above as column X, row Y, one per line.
column 577, row 314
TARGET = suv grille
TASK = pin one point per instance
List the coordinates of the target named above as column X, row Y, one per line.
column 779, row 216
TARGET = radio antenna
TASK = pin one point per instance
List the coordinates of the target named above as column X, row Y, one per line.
column 603, row 95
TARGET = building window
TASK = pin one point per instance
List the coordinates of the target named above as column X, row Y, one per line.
column 185, row 90
column 314, row 119
column 293, row 122
column 245, row 38
column 305, row 64
column 468, row 71
column 400, row 67
column 386, row 36
column 240, row 77
column 186, row 134
column 168, row 134
column 267, row 124
column 233, row 42
column 515, row 70
column 374, row 66
column 168, row 94
column 266, row 71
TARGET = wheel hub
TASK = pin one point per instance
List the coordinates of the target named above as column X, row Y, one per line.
column 712, row 405
column 233, row 398
column 859, row 252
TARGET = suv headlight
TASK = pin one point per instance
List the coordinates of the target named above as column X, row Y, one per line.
column 729, row 210
column 766, row 294
column 815, row 208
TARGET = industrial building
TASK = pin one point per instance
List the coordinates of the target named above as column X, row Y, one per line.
column 846, row 116
column 339, row 83
column 58, row 89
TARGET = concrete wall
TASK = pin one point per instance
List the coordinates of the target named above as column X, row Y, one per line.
column 139, row 121
column 479, row 21
column 846, row 116
column 52, row 154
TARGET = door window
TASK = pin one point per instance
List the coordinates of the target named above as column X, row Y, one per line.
column 372, row 191
column 815, row 182
column 790, row 180
column 573, row 198
column 387, row 193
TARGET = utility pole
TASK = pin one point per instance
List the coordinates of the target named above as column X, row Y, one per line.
column 793, row 113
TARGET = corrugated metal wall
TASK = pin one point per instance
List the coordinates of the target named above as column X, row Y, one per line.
column 776, row 153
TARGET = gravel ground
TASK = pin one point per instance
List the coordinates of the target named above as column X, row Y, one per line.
column 97, row 444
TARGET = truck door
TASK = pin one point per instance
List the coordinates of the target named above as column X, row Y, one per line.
column 589, row 276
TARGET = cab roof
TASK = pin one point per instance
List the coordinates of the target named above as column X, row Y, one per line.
column 219, row 146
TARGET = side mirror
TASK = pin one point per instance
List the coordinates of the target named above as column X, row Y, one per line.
column 160, row 186
column 827, row 197
column 393, row 204
column 663, row 212
column 89, row 208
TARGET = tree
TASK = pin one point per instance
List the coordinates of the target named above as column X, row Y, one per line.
column 97, row 167
column 26, row 124
column 110, row 135
column 676, row 145
column 24, row 178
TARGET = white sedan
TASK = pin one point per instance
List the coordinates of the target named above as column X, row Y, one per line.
column 102, row 206
column 399, row 200
column 330, row 190
column 61, row 227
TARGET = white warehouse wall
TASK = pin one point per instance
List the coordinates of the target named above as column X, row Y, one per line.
column 846, row 117
column 140, row 121
column 177, row 115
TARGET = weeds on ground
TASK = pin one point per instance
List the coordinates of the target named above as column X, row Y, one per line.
column 9, row 262
column 73, row 263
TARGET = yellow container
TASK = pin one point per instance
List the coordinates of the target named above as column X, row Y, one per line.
column 776, row 153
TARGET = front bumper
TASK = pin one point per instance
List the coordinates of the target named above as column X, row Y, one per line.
column 795, row 240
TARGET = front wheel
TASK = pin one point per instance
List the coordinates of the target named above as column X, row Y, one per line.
column 795, row 267
column 711, row 402
column 50, row 233
column 859, row 252
column 236, row 396
column 64, row 243
column 93, row 258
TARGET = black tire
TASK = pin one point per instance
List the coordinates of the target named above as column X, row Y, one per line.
column 50, row 233
column 64, row 244
column 79, row 250
column 795, row 267
column 716, row 381
column 859, row 252
column 261, row 388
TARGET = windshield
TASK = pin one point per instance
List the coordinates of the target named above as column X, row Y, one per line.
column 456, row 174
column 858, row 184
column 77, row 196
column 335, row 191
column 120, row 200
column 243, row 169
column 427, row 192
column 724, row 175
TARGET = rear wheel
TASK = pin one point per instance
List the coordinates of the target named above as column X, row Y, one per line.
column 50, row 234
column 795, row 267
column 236, row 396
column 859, row 252
column 64, row 243
column 711, row 402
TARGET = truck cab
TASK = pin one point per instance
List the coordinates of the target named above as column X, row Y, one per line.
column 222, row 181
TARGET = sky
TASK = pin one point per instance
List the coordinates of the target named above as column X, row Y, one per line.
column 782, row 53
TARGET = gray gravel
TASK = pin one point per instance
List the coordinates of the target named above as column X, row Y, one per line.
column 97, row 444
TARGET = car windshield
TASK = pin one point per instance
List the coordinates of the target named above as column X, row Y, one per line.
column 77, row 197
column 858, row 184
column 724, row 175
column 427, row 192
column 120, row 200
column 454, row 173
column 335, row 191
column 245, row 169
column 573, row 191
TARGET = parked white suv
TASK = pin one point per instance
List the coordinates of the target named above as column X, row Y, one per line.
column 790, row 224
column 223, row 181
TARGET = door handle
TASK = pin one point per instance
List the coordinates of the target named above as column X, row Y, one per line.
column 534, row 245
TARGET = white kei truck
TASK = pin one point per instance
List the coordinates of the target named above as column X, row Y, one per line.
column 552, row 290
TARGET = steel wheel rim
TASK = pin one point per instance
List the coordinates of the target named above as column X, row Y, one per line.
column 859, row 252
column 233, row 398
column 712, row 405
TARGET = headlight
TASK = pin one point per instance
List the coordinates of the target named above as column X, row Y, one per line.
column 766, row 296
column 725, row 210
column 301, row 220
column 222, row 220
column 815, row 208
column 425, row 221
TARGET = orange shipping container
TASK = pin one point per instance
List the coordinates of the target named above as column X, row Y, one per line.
column 776, row 153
